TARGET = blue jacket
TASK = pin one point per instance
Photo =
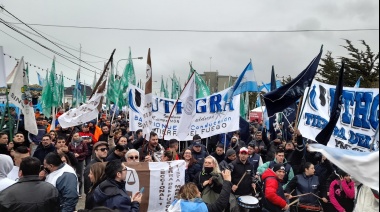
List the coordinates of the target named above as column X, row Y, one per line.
column 68, row 195
column 36, row 139
column 112, row 194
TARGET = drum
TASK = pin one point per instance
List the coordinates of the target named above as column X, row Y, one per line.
column 309, row 207
column 248, row 202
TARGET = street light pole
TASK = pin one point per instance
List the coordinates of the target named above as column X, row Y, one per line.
column 133, row 58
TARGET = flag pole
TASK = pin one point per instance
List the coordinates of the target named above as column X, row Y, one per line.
column 104, row 71
column 171, row 113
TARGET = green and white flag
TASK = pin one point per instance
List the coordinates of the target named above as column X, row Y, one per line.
column 202, row 89
column 128, row 78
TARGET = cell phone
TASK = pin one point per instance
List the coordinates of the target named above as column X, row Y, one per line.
column 142, row 190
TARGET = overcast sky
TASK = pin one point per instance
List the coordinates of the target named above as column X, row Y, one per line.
column 171, row 51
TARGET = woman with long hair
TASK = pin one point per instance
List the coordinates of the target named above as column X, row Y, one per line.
column 342, row 192
column 97, row 175
column 167, row 156
column 209, row 180
column 308, row 189
column 192, row 166
column 53, row 135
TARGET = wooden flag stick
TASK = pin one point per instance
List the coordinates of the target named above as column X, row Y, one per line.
column 294, row 202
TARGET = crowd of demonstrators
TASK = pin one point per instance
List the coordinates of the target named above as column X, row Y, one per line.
column 90, row 157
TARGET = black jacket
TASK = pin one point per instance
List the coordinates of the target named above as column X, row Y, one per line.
column 239, row 169
column 30, row 194
column 86, row 172
column 42, row 151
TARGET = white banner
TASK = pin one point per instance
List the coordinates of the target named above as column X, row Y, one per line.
column 357, row 124
column 213, row 115
column 161, row 182
column 82, row 114
column 188, row 95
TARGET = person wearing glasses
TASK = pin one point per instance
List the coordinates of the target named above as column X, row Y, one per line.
column 100, row 150
column 132, row 156
column 46, row 146
column 111, row 193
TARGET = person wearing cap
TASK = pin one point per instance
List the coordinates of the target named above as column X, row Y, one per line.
column 273, row 194
column 280, row 159
column 307, row 183
column 100, row 150
column 242, row 175
column 118, row 153
column 35, row 140
column 89, row 139
column 198, row 153
column 230, row 156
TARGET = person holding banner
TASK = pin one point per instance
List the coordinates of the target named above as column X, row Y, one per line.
column 152, row 151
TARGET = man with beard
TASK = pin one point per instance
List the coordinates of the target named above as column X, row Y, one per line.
column 100, row 150
column 106, row 134
column 242, row 176
column 260, row 145
column 152, row 151
column 111, row 193
column 44, row 148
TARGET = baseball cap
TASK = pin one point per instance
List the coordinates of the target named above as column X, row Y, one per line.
column 278, row 166
column 243, row 149
column 100, row 143
column 85, row 125
column 197, row 143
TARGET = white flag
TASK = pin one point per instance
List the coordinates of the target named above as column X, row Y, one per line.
column 82, row 114
column 188, row 98
column 363, row 166
column 20, row 96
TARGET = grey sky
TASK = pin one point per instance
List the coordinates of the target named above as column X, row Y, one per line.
column 171, row 52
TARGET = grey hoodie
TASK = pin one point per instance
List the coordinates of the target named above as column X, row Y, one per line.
column 6, row 165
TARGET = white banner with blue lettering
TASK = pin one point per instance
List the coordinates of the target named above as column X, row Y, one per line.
column 358, row 121
column 213, row 115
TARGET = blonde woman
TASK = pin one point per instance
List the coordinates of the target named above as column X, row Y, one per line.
column 209, row 180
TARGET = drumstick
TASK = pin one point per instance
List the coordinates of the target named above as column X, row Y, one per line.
column 294, row 202
column 301, row 195
column 241, row 179
column 316, row 196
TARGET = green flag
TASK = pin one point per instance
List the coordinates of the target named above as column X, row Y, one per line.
column 175, row 87
column 77, row 92
column 46, row 100
column 61, row 89
column 202, row 89
column 84, row 94
column 242, row 108
column 110, row 88
column 162, row 88
column 128, row 78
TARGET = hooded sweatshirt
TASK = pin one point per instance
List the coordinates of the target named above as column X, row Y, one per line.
column 6, row 165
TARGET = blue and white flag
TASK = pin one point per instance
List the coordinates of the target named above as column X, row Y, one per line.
column 357, row 84
column 40, row 79
column 246, row 82
column 363, row 166
column 267, row 86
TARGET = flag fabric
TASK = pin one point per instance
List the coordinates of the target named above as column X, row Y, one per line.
column 90, row 110
column 46, row 95
column 258, row 100
column 40, row 79
column 77, row 92
column 54, row 85
column 246, row 82
column 21, row 97
column 175, row 87
column 111, row 97
column 267, row 86
column 166, row 93
column 84, row 94
column 188, row 97
column 357, row 84
column 148, row 119
column 279, row 99
column 94, row 82
column 61, row 89
column 202, row 88
column 272, row 119
column 324, row 136
column 128, row 78
column 362, row 166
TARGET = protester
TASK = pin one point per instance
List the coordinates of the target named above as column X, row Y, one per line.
column 236, row 144
column 189, row 197
column 151, row 151
column 45, row 147
column 19, row 153
column 254, row 158
column 35, row 140
column 342, row 192
column 97, row 175
column 209, row 180
column 139, row 141
column 111, row 193
column 272, row 146
column 53, row 136
column 219, row 153
column 19, row 140
column 324, row 170
column 167, row 156
column 63, row 177
column 260, row 144
column 79, row 148
column 273, row 194
column 230, row 156
column 6, row 165
column 132, row 156
column 118, row 153
column 173, row 147
column 198, row 152
column 366, row 199
column 30, row 193
column 241, row 179
column 192, row 166
column 100, row 150
column 88, row 139
column 294, row 155
column 5, row 148
column 61, row 148
column 307, row 184
column 279, row 159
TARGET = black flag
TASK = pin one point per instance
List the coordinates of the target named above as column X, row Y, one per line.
column 324, row 136
column 272, row 119
column 278, row 100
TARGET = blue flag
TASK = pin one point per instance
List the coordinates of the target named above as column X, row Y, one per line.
column 40, row 79
column 357, row 84
column 281, row 98
column 246, row 82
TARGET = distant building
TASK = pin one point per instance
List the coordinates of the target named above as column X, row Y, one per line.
column 69, row 93
column 217, row 82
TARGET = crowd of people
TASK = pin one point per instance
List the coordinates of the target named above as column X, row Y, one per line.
column 262, row 173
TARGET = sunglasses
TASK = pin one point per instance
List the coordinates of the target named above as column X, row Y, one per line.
column 133, row 157
column 103, row 149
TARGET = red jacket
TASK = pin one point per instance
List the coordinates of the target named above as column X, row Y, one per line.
column 273, row 189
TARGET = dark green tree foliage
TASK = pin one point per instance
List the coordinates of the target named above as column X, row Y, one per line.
column 363, row 63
